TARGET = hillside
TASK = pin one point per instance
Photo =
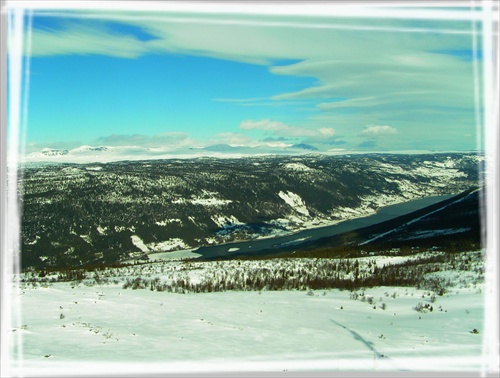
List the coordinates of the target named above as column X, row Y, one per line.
column 454, row 225
column 74, row 214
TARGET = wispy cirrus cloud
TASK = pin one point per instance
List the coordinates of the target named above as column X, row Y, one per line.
column 262, row 102
column 84, row 39
column 398, row 71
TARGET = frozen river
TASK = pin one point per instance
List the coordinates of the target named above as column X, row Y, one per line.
column 384, row 214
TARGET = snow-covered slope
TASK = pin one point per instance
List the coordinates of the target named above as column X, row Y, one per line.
column 103, row 326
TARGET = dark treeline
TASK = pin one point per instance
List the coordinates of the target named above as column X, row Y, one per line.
column 324, row 274
column 446, row 243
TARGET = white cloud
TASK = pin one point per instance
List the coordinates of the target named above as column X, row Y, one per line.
column 326, row 131
column 234, row 140
column 282, row 129
column 168, row 140
column 378, row 130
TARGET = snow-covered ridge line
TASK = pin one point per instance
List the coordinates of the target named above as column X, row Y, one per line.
column 105, row 154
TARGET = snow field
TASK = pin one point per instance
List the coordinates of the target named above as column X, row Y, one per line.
column 367, row 329
column 109, row 324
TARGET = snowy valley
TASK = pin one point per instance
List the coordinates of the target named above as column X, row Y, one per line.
column 75, row 214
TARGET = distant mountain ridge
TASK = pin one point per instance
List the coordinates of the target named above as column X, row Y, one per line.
column 87, row 154
column 304, row 146
column 79, row 213
column 53, row 152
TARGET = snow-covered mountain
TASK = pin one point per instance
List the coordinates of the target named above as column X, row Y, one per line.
column 105, row 154
column 46, row 152
column 304, row 146
column 88, row 154
column 90, row 149
column 77, row 213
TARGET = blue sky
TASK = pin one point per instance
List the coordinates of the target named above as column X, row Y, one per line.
column 169, row 83
column 153, row 94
